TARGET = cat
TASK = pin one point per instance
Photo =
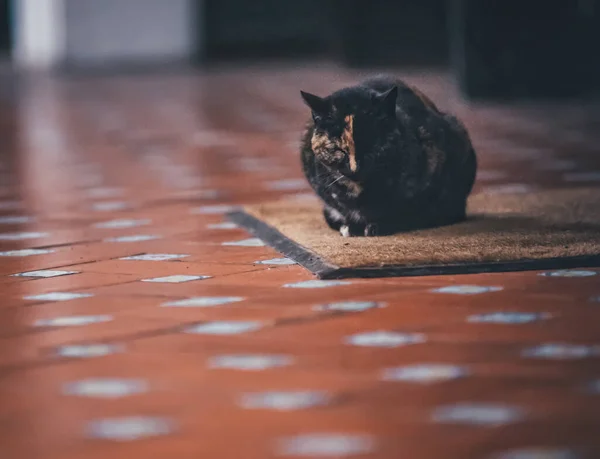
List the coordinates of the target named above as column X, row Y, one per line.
column 384, row 159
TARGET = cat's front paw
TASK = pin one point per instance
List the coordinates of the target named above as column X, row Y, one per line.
column 345, row 231
column 352, row 230
column 372, row 230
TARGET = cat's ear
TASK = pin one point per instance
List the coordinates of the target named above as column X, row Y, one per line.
column 318, row 105
column 387, row 101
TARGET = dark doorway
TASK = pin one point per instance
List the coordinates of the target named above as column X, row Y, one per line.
column 5, row 27
column 384, row 32
column 514, row 49
column 358, row 33
column 241, row 29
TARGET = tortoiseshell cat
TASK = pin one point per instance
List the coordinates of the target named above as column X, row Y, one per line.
column 384, row 159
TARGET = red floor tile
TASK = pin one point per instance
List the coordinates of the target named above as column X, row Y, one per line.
column 149, row 168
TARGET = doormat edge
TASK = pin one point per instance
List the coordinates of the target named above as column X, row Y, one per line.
column 284, row 245
column 323, row 270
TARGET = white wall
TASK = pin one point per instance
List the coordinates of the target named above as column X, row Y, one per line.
column 39, row 32
column 98, row 31
column 49, row 32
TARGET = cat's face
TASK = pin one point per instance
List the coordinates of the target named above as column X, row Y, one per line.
column 346, row 135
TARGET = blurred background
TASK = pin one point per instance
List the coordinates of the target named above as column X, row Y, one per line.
column 495, row 49
column 129, row 127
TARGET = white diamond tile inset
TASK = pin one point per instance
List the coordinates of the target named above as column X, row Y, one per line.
column 22, row 236
column 509, row 317
column 485, row 175
column 287, row 185
column 317, row 284
column 424, row 373
column 509, row 188
column 250, row 362
column 129, row 428
column 349, row 306
column 15, row 220
column 72, row 321
column 58, row 296
column 570, row 273
column 83, row 351
column 109, row 206
column 326, row 445
column 176, row 279
column 251, row 242
column 224, row 327
column 301, row 197
column 26, row 252
column 45, row 273
column 467, row 289
column 105, row 387
column 123, row 223
column 284, row 401
column 276, row 262
column 481, row 414
column 561, row 351
column 222, row 226
column 133, row 238
column 385, row 339
column 203, row 301
column 156, row 257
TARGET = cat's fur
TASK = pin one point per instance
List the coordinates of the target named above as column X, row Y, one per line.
column 384, row 159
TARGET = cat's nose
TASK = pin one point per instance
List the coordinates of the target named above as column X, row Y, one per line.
column 353, row 165
column 348, row 171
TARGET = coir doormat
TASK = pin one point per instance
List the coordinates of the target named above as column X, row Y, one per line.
column 550, row 229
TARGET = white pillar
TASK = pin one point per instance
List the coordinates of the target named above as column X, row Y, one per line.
column 113, row 32
column 39, row 33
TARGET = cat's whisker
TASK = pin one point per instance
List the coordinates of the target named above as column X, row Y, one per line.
column 335, row 181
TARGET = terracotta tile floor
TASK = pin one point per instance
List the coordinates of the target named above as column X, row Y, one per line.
column 136, row 321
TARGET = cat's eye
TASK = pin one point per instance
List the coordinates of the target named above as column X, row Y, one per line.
column 320, row 118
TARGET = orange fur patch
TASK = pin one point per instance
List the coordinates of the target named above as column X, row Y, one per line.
column 319, row 141
column 348, row 142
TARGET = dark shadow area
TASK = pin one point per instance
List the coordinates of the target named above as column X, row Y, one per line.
column 525, row 50
column 406, row 33
column 5, row 28
column 263, row 29
column 352, row 32
column 508, row 50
